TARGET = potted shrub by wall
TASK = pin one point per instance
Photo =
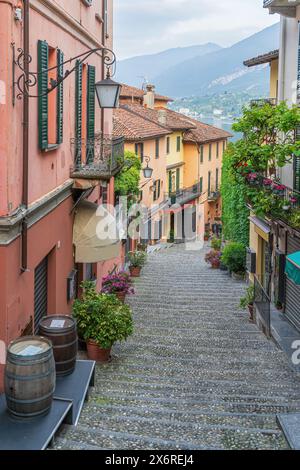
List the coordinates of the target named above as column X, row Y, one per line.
column 137, row 260
column 119, row 284
column 213, row 258
column 248, row 302
column 234, row 257
column 216, row 243
column 206, row 236
column 102, row 320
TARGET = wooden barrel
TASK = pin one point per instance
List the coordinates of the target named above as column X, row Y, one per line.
column 29, row 378
column 61, row 330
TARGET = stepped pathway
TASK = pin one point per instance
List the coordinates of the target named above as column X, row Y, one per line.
column 195, row 375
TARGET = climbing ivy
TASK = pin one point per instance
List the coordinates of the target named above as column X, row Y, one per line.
column 235, row 212
column 127, row 182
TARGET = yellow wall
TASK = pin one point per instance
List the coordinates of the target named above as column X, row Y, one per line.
column 175, row 158
column 274, row 79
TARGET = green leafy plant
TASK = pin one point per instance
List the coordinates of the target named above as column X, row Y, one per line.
column 102, row 318
column 137, row 259
column 216, row 243
column 127, row 181
column 234, row 257
column 248, row 299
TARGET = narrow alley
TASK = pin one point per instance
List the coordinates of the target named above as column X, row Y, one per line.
column 195, row 374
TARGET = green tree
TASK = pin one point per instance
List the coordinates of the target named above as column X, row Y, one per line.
column 127, row 182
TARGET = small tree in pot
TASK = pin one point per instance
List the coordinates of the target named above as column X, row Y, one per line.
column 102, row 320
column 119, row 284
column 234, row 257
column 137, row 260
column 248, row 302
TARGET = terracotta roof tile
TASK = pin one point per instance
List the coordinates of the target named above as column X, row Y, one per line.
column 134, row 127
column 128, row 91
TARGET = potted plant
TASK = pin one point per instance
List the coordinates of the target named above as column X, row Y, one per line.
column 216, row 243
column 234, row 257
column 102, row 320
column 213, row 258
column 248, row 302
column 137, row 260
column 119, row 284
column 206, row 236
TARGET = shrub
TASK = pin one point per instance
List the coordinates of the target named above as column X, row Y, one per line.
column 102, row 318
column 137, row 259
column 249, row 297
column 234, row 257
column 216, row 244
column 118, row 282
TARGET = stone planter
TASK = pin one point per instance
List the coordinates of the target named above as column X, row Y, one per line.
column 135, row 271
column 95, row 353
column 238, row 276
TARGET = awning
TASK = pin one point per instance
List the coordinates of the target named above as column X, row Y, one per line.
column 292, row 268
column 95, row 234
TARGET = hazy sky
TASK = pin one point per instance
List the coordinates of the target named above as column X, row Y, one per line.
column 149, row 26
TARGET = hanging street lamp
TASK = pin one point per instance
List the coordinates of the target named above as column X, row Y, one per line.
column 148, row 172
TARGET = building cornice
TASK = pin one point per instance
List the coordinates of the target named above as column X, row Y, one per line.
column 11, row 226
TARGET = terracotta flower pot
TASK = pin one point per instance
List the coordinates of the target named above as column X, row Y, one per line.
column 121, row 296
column 215, row 265
column 251, row 312
column 135, row 271
column 95, row 353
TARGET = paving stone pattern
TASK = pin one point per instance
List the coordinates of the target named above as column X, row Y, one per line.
column 195, row 375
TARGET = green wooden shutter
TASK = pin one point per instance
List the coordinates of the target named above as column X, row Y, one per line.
column 43, row 64
column 91, row 114
column 178, row 179
column 60, row 98
column 297, row 173
column 170, row 181
column 78, row 111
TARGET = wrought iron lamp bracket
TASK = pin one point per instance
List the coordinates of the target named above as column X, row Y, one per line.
column 28, row 79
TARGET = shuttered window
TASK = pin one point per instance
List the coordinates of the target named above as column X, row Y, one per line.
column 201, row 184
column 78, row 111
column 217, row 179
column 170, row 181
column 210, row 152
column 168, row 144
column 218, row 149
column 43, row 61
column 209, row 182
column 43, row 100
column 201, row 154
column 60, row 98
column 157, row 148
column 91, row 113
column 178, row 143
column 157, row 189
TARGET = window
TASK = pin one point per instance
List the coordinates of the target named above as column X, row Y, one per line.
column 217, row 179
column 170, row 181
column 157, row 141
column 89, row 272
column 177, row 179
column 201, row 184
column 209, row 183
column 50, row 106
column 218, row 149
column 178, row 144
column 139, row 150
column 296, row 173
column 157, row 187
column 210, row 152
column 85, row 77
column 201, row 154
column 168, row 145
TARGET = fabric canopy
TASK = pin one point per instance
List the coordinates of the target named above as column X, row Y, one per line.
column 292, row 269
column 94, row 234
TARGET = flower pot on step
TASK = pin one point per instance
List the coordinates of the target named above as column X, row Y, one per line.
column 95, row 353
column 135, row 271
column 215, row 264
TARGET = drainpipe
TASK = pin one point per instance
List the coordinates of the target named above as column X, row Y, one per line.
column 103, row 40
column 24, row 265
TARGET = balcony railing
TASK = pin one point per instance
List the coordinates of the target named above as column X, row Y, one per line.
column 183, row 196
column 263, row 101
column 262, row 302
column 285, row 201
column 213, row 195
column 97, row 158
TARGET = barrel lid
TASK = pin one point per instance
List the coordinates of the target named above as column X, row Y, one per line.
column 53, row 322
column 29, row 346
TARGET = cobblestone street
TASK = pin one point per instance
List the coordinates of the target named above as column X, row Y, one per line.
column 195, row 375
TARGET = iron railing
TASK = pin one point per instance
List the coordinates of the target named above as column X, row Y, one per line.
column 262, row 301
column 184, row 195
column 213, row 195
column 96, row 158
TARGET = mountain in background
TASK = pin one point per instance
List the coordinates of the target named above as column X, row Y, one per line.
column 212, row 72
column 132, row 71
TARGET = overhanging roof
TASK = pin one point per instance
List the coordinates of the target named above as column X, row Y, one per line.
column 262, row 59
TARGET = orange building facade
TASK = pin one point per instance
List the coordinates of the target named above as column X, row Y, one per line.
column 45, row 173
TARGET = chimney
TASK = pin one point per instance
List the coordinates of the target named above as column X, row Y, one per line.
column 149, row 97
column 162, row 117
